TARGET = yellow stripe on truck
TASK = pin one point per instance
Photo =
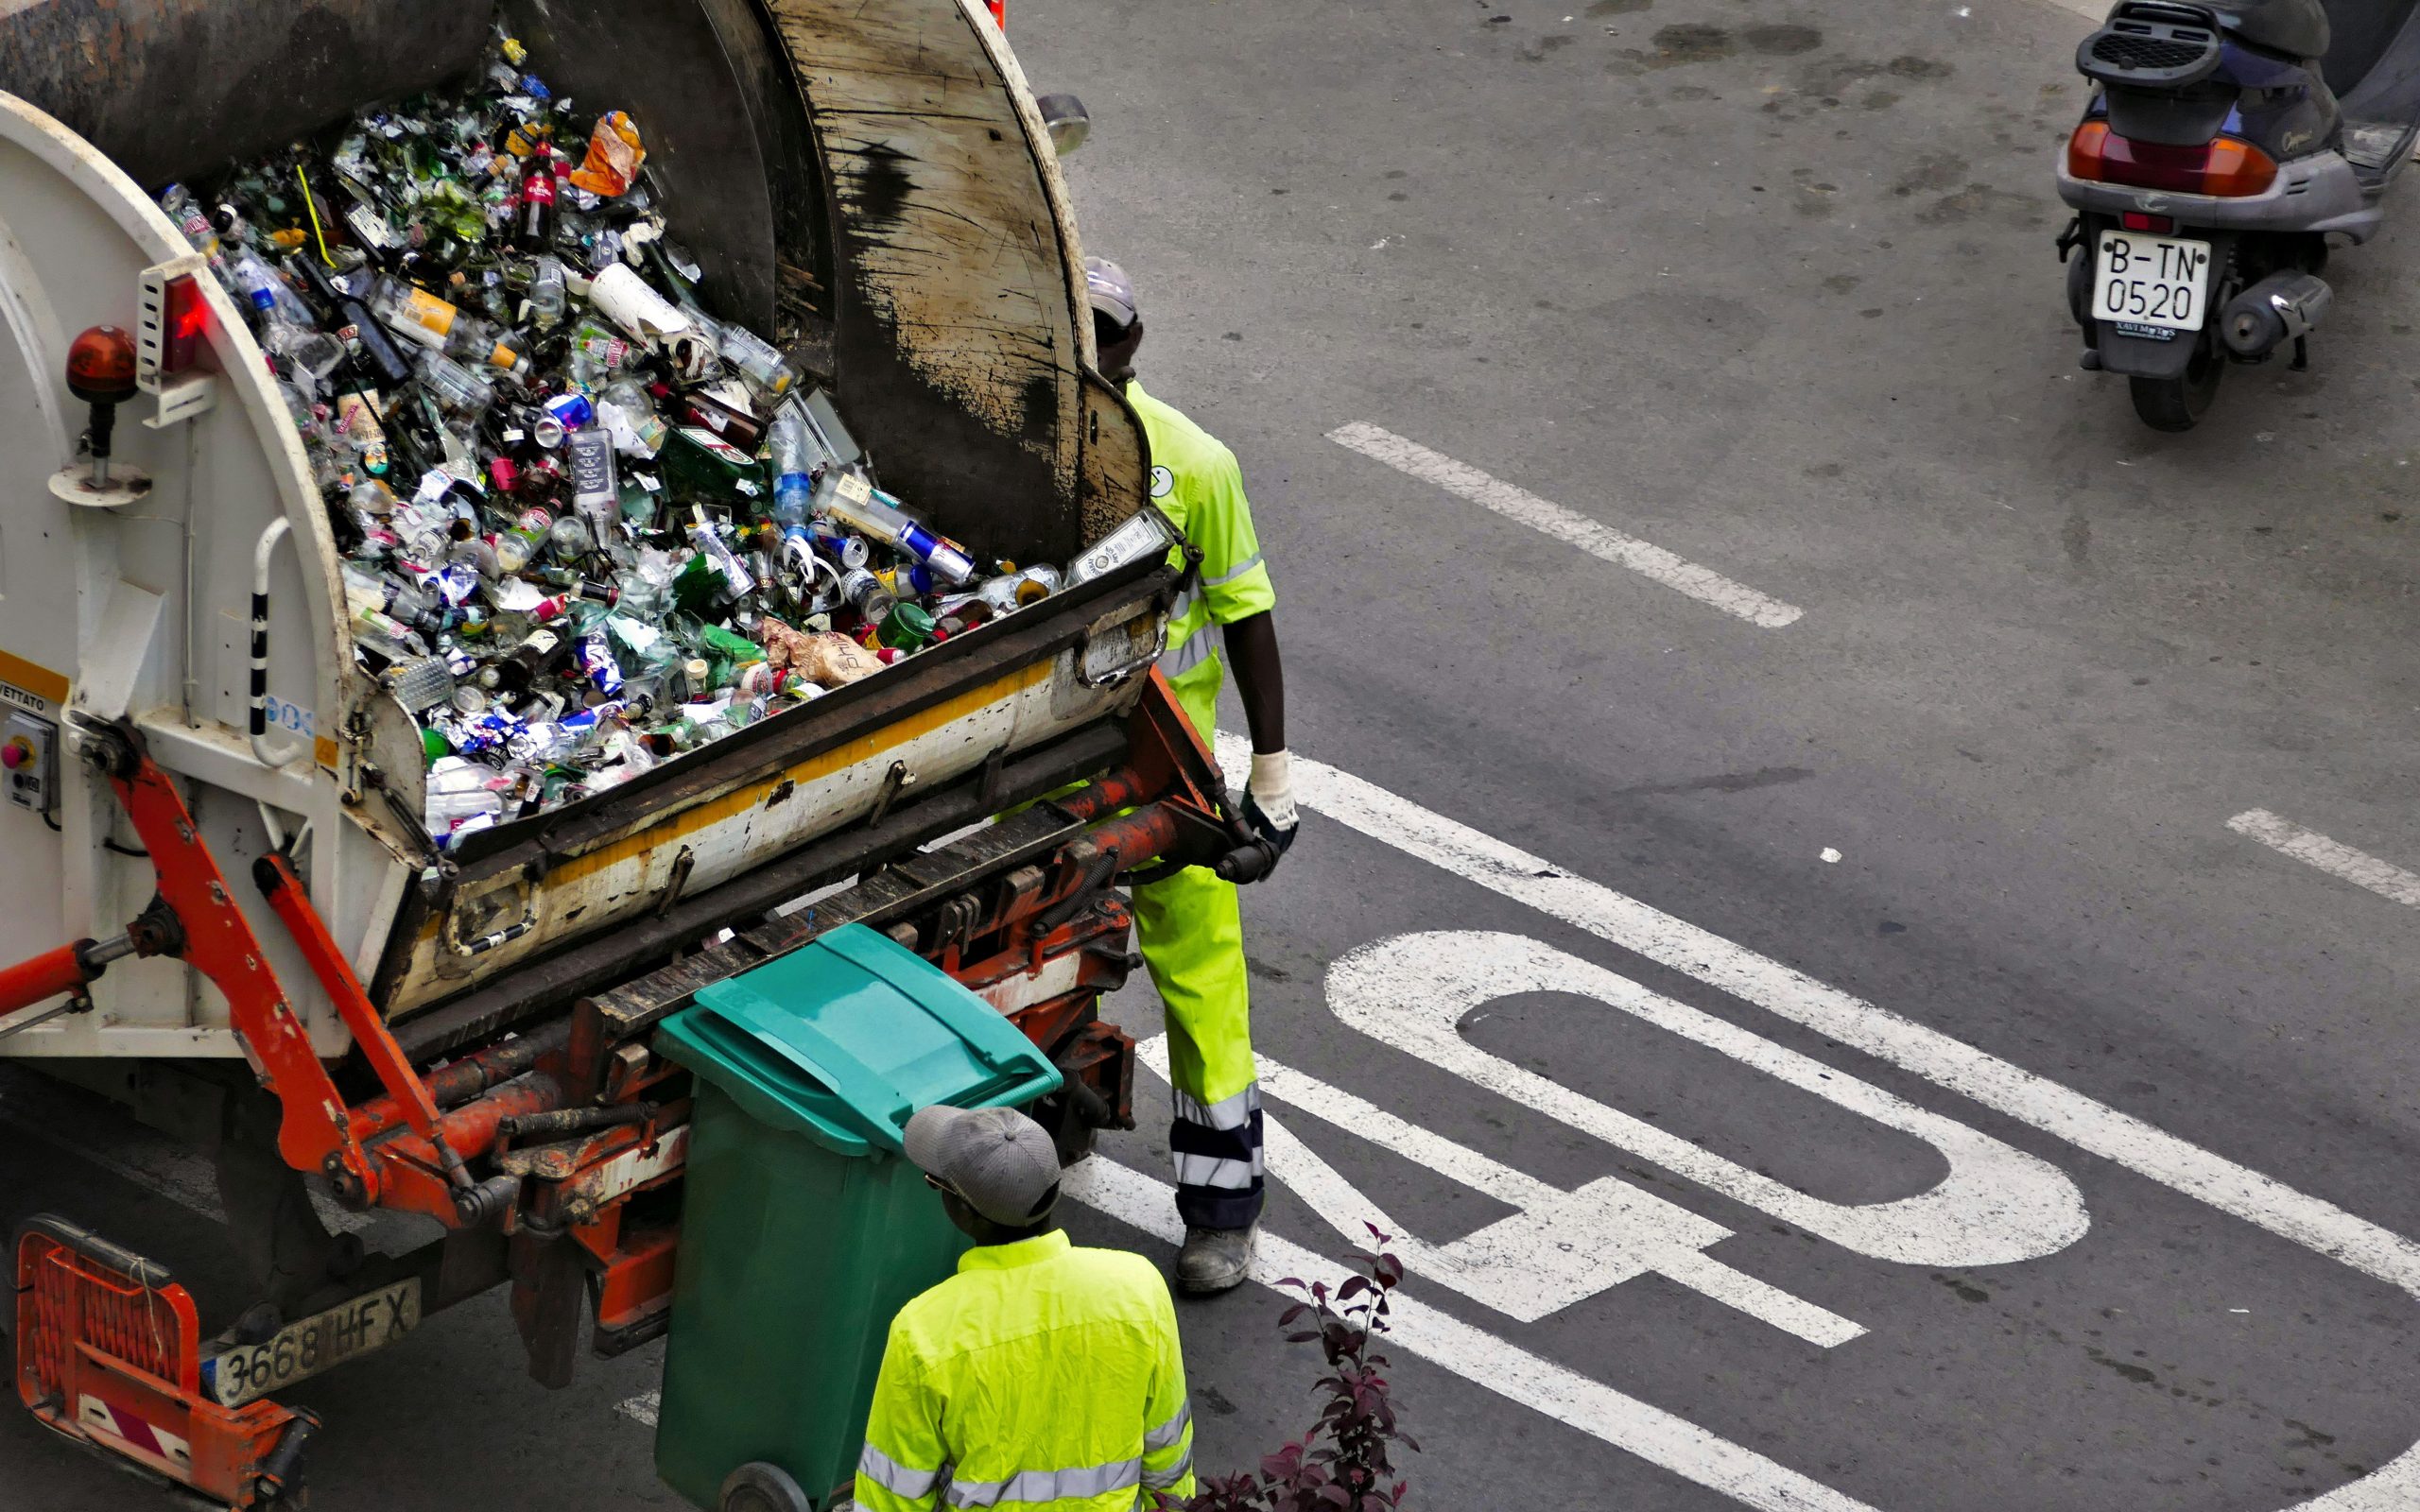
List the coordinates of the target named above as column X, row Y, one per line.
column 673, row 827
column 35, row 678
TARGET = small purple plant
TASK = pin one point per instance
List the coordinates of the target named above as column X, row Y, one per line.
column 1345, row 1463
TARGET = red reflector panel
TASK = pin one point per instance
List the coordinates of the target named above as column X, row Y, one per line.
column 186, row 318
column 2137, row 220
column 2222, row 166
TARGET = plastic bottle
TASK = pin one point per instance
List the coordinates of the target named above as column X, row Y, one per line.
column 847, row 497
column 596, row 492
column 458, row 390
column 533, row 211
column 794, row 454
column 756, row 359
column 195, row 222
column 374, row 630
column 737, row 581
column 267, row 293
column 547, row 298
column 441, row 325
column 524, row 541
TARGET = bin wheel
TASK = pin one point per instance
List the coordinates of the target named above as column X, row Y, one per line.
column 757, row 1486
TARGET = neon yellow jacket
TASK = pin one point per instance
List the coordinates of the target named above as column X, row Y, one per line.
column 1198, row 485
column 1041, row 1375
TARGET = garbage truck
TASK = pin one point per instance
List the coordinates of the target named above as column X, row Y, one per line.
column 228, row 911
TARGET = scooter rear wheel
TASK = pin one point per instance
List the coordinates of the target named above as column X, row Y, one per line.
column 2179, row 404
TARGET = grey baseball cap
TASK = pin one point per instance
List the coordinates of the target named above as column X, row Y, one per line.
column 1110, row 291
column 995, row 1157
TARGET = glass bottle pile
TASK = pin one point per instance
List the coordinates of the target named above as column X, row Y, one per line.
column 587, row 526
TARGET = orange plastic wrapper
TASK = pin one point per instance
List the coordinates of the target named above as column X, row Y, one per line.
column 615, row 153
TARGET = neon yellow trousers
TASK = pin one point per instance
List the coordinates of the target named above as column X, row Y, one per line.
column 1190, row 930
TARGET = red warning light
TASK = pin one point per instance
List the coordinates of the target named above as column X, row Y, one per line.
column 100, row 365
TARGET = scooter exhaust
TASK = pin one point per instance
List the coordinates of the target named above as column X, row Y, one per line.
column 2280, row 308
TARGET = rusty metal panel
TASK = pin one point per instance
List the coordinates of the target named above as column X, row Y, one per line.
column 961, row 321
column 172, row 88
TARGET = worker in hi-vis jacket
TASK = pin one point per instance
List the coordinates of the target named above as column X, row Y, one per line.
column 1189, row 925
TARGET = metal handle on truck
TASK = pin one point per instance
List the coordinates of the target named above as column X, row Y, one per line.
column 262, row 751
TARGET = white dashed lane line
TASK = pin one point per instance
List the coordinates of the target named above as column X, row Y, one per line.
column 1548, row 518
column 2341, row 861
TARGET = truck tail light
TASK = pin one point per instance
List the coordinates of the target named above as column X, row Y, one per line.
column 2223, row 166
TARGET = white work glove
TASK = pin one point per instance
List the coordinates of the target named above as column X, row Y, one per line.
column 1269, row 798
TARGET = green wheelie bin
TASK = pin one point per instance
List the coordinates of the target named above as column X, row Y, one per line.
column 803, row 1228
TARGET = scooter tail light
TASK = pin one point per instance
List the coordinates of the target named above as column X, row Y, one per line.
column 2085, row 149
column 2224, row 167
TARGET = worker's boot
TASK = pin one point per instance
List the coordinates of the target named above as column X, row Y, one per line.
column 1214, row 1260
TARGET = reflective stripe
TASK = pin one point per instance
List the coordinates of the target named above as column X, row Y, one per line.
column 1227, row 1112
column 1183, row 605
column 1049, row 1486
column 1167, row 1435
column 1196, row 648
column 1162, row 1480
column 894, row 1477
column 1237, row 571
column 1211, row 1171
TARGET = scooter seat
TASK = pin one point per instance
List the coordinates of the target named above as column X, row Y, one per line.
column 2298, row 29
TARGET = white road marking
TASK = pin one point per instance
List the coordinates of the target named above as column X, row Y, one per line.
column 642, row 1408
column 2313, row 849
column 1560, row 1248
column 1993, row 1205
column 1635, row 1426
column 2090, row 1125
column 1624, row 1422
column 1548, row 518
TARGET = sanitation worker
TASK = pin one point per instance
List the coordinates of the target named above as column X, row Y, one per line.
column 1189, row 927
column 1039, row 1375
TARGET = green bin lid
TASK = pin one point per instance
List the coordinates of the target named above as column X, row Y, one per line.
column 843, row 1039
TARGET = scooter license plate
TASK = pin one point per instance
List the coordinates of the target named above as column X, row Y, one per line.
column 2156, row 281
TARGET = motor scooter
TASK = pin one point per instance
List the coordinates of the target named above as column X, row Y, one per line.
column 2229, row 145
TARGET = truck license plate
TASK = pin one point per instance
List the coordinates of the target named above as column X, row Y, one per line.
column 2151, row 281
column 311, row 1344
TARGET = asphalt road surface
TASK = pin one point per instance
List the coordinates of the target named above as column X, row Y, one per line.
column 1850, row 917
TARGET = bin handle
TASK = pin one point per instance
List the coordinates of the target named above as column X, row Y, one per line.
column 895, row 1109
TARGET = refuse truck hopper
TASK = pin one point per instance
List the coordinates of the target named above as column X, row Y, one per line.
column 871, row 185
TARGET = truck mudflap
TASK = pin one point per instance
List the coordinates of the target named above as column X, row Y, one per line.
column 504, row 899
column 108, row 1355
